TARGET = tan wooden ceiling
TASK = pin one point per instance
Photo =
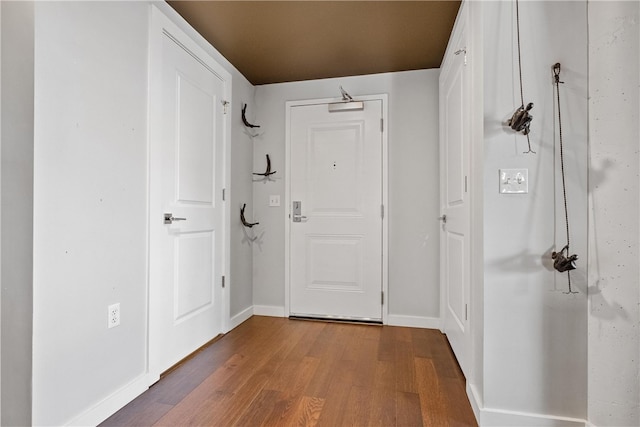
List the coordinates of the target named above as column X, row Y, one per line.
column 284, row 41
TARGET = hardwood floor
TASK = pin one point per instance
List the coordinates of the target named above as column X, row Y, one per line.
column 280, row 372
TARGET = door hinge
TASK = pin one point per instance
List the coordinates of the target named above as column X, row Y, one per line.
column 223, row 281
column 465, row 183
column 382, row 298
column 466, row 312
column 224, row 190
column 381, row 125
column 382, row 211
column 225, row 104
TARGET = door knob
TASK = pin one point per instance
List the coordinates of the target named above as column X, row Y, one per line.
column 169, row 218
column 443, row 218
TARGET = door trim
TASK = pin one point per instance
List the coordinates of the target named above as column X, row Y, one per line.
column 160, row 24
column 385, row 195
column 473, row 169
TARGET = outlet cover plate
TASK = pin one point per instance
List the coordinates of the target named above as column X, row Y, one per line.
column 514, row 181
column 113, row 315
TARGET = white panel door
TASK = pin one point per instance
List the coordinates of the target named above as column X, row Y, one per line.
column 454, row 166
column 186, row 180
column 336, row 176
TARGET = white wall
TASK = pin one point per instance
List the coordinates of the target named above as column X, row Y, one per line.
column 0, row 215
column 535, row 349
column 614, row 303
column 413, row 186
column 241, row 191
column 90, row 203
column 16, row 245
column 90, row 206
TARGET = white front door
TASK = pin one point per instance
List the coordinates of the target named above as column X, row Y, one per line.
column 186, row 176
column 454, row 195
column 335, row 262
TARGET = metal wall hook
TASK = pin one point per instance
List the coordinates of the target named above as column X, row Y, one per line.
column 244, row 118
column 521, row 119
column 556, row 72
column 268, row 171
column 244, row 221
column 564, row 262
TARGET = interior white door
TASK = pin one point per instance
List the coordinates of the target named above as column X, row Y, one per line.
column 186, row 175
column 454, row 166
column 336, row 248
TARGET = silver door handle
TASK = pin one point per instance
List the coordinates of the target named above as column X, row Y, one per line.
column 169, row 218
column 299, row 218
column 443, row 218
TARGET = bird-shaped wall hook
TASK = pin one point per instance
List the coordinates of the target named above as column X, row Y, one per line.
column 521, row 119
column 345, row 96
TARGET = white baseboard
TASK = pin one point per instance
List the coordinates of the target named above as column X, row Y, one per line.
column 240, row 317
column 413, row 321
column 268, row 310
column 490, row 417
column 114, row 402
column 475, row 401
column 504, row 418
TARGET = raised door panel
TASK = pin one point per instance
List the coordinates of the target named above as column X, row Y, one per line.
column 195, row 131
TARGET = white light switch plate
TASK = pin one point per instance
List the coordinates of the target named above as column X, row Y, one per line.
column 274, row 200
column 514, row 181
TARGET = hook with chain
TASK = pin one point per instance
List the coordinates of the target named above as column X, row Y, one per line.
column 521, row 119
column 563, row 261
column 556, row 73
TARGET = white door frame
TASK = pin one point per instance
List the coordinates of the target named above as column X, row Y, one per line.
column 385, row 195
column 473, row 61
column 159, row 25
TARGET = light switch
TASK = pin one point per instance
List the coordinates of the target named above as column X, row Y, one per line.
column 274, row 200
column 514, row 181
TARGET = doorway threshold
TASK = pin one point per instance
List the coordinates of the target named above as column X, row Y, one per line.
column 337, row 319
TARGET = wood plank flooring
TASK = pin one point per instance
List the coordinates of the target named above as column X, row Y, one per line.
column 280, row 372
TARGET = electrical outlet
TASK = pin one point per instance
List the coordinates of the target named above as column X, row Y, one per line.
column 113, row 318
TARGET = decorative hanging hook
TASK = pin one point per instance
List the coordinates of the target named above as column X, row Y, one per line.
column 268, row 171
column 521, row 119
column 562, row 260
column 244, row 118
column 244, row 221
column 556, row 73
